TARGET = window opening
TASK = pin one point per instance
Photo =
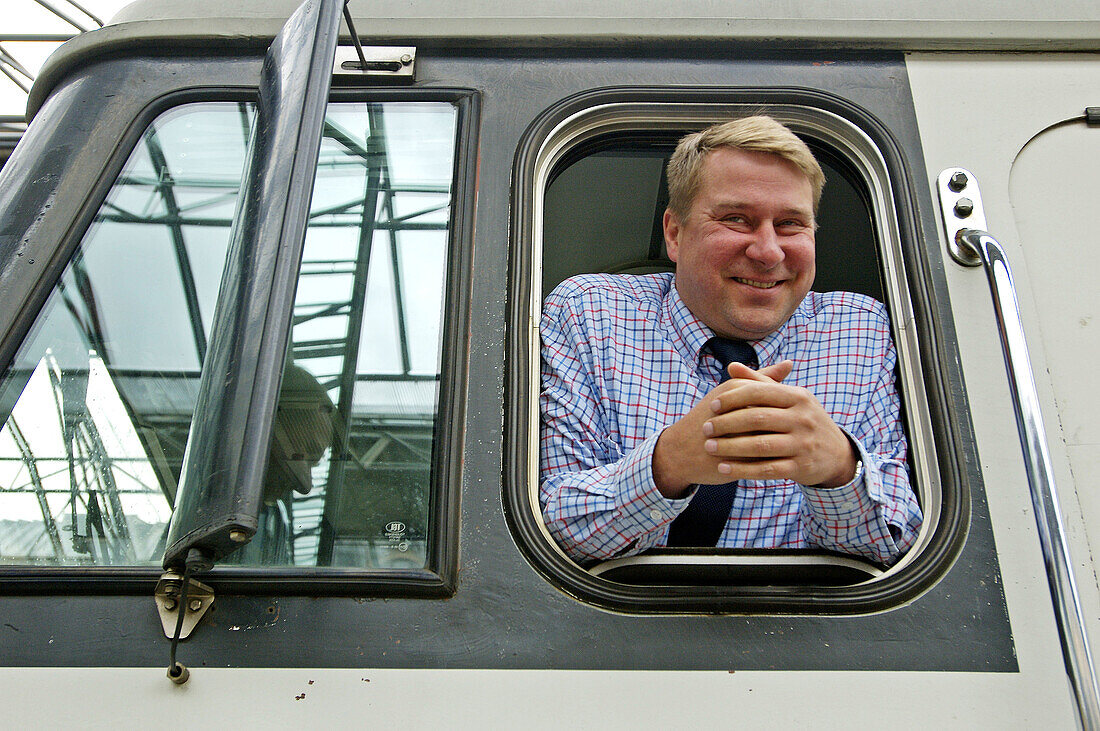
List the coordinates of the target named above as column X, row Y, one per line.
column 604, row 204
column 614, row 145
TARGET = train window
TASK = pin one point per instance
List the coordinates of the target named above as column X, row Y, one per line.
column 597, row 194
column 97, row 404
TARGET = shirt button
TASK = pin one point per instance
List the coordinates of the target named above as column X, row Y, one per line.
column 656, row 515
column 848, row 506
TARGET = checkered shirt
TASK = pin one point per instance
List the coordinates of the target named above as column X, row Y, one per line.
column 622, row 358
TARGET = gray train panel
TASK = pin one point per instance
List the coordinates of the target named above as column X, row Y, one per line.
column 498, row 610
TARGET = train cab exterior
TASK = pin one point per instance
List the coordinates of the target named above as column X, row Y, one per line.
column 240, row 270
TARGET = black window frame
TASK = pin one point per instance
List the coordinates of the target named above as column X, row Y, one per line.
column 947, row 530
column 439, row 577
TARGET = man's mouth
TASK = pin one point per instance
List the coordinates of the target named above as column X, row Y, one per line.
column 755, row 283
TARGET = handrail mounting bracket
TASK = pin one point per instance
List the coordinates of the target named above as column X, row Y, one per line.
column 960, row 209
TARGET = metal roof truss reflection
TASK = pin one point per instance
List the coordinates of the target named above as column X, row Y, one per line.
column 369, row 437
column 68, row 11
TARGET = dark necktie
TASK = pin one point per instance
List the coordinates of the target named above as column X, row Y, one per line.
column 704, row 518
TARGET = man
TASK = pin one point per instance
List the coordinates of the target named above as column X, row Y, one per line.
column 647, row 442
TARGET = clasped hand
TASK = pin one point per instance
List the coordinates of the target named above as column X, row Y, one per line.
column 753, row 427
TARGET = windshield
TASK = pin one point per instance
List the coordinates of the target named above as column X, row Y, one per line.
column 99, row 399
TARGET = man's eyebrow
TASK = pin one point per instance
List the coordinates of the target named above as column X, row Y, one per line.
column 799, row 212
column 736, row 205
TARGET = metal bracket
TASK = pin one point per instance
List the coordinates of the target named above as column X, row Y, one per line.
column 961, row 208
column 395, row 64
column 200, row 598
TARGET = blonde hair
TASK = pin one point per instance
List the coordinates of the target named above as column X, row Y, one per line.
column 753, row 134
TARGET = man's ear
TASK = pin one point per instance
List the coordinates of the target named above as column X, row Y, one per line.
column 672, row 234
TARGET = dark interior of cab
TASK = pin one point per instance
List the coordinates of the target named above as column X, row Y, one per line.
column 605, row 201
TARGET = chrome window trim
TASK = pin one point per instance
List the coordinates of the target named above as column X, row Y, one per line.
column 822, row 125
column 759, row 558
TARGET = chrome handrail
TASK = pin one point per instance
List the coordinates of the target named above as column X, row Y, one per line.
column 1040, row 475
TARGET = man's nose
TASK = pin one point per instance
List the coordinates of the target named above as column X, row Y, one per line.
column 765, row 248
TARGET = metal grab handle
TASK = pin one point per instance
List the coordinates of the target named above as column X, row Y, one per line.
column 1040, row 476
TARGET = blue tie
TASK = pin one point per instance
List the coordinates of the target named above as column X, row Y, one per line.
column 704, row 518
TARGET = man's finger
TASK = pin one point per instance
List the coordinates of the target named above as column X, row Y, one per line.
column 773, row 373
column 778, row 371
column 746, row 393
column 764, row 469
column 752, row 447
column 775, row 419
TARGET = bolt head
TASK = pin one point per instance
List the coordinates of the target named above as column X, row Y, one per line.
column 964, row 207
column 170, row 605
column 194, row 605
column 958, row 181
column 238, row 536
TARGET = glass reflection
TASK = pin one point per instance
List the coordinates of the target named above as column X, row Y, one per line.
column 96, row 498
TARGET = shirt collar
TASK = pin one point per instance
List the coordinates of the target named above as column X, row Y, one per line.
column 688, row 334
column 771, row 349
column 685, row 331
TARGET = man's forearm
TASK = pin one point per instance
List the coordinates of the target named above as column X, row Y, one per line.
column 609, row 510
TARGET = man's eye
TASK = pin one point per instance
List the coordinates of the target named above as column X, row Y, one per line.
column 791, row 224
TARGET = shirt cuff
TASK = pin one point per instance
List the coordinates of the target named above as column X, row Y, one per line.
column 847, row 501
column 641, row 502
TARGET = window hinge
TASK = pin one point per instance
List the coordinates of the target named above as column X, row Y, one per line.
column 200, row 598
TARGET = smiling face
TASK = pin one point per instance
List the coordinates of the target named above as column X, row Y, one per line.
column 745, row 251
